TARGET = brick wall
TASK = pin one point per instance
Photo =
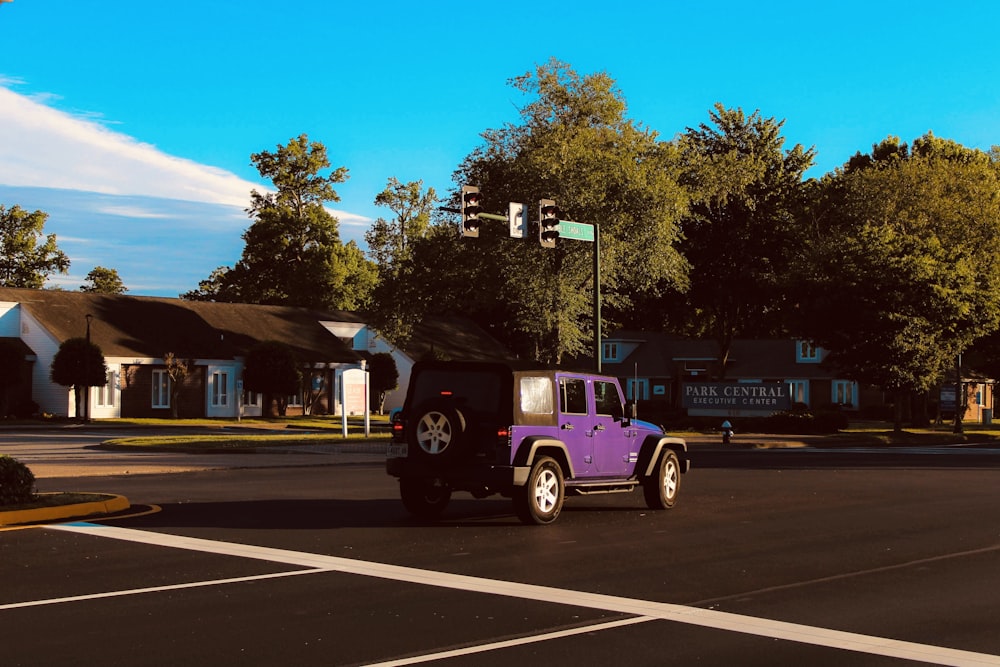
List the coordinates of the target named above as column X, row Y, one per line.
column 137, row 393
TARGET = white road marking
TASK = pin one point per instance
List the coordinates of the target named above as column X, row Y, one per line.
column 157, row 589
column 483, row 648
column 643, row 609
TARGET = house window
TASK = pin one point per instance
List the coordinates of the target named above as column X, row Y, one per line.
column 799, row 391
column 295, row 400
column 845, row 392
column 252, row 399
column 220, row 389
column 807, row 353
column 161, row 389
column 637, row 390
column 106, row 394
column 610, row 352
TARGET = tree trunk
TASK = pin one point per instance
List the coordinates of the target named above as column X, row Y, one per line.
column 897, row 410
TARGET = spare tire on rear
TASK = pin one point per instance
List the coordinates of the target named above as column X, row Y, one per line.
column 436, row 430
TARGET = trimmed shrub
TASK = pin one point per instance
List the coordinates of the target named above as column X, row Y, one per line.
column 17, row 482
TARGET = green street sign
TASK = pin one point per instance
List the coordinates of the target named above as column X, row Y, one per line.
column 578, row 231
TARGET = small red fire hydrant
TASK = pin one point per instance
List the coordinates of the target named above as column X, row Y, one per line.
column 727, row 432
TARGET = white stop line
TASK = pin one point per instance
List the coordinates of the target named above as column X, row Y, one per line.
column 644, row 610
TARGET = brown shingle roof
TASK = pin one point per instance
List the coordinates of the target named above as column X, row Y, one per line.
column 140, row 326
column 454, row 338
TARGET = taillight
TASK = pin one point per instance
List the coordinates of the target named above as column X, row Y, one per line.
column 397, row 429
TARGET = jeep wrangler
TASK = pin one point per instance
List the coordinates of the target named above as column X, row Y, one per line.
column 534, row 436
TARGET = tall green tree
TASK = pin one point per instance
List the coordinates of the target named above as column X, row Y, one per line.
column 293, row 253
column 390, row 245
column 389, row 240
column 900, row 271
column 27, row 257
column 740, row 230
column 104, row 281
column 574, row 144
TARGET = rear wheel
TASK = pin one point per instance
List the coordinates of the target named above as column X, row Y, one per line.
column 541, row 499
column 423, row 498
column 661, row 488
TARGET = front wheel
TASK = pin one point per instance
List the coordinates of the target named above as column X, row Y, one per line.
column 661, row 488
column 541, row 499
column 422, row 498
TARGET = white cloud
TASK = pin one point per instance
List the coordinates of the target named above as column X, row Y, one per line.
column 130, row 212
column 46, row 148
column 43, row 147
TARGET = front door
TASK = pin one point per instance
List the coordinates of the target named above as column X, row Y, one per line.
column 611, row 447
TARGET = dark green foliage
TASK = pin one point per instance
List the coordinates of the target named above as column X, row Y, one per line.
column 900, row 272
column 293, row 253
column 272, row 370
column 740, row 230
column 384, row 376
column 104, row 281
column 79, row 363
column 17, row 482
column 27, row 258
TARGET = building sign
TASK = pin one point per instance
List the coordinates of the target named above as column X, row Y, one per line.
column 766, row 397
column 947, row 398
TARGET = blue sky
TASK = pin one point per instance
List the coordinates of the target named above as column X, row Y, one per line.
column 132, row 123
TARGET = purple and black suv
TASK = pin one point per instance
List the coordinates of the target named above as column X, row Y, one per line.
column 534, row 436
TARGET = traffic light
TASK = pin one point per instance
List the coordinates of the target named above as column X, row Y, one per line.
column 470, row 211
column 548, row 223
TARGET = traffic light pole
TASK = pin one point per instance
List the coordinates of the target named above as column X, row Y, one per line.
column 576, row 231
column 597, row 296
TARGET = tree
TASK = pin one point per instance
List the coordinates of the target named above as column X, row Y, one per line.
column 25, row 259
column 271, row 369
column 104, row 281
column 739, row 234
column 384, row 377
column 177, row 371
column 389, row 240
column 79, row 363
column 390, row 244
column 900, row 272
column 574, row 145
column 293, row 253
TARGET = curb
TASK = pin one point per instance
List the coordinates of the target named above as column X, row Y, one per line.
column 113, row 504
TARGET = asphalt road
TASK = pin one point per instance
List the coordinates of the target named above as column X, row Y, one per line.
column 318, row 564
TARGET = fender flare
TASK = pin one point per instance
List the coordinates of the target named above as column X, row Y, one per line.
column 532, row 448
column 651, row 449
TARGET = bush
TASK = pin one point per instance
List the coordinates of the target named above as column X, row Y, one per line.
column 17, row 482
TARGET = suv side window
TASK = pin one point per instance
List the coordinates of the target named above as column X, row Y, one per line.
column 607, row 400
column 536, row 395
column 572, row 396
